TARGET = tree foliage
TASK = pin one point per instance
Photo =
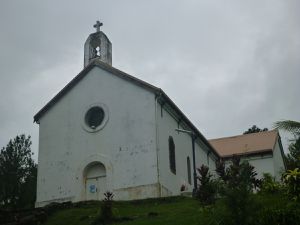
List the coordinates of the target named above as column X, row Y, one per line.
column 238, row 182
column 269, row 185
column 292, row 179
column 17, row 174
column 207, row 188
column 292, row 159
column 288, row 125
column 255, row 129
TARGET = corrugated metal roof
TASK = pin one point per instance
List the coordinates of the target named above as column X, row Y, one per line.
column 246, row 144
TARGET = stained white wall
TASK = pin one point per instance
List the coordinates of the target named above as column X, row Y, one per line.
column 126, row 145
column 171, row 182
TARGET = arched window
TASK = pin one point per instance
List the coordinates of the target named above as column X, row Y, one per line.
column 188, row 163
column 172, row 157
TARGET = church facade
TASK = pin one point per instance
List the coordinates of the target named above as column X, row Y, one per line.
column 109, row 131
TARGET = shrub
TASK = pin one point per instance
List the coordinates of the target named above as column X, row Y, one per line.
column 292, row 180
column 106, row 208
column 207, row 188
column 237, row 184
column 285, row 215
column 106, row 215
column 269, row 185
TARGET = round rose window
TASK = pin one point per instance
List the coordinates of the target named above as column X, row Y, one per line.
column 94, row 117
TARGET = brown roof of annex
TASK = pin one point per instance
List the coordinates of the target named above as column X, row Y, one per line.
column 246, row 144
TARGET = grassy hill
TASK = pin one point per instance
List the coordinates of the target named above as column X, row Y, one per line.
column 164, row 211
column 268, row 209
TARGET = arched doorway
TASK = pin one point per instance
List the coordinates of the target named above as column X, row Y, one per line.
column 95, row 181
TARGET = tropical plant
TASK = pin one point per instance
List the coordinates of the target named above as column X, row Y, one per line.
column 292, row 179
column 292, row 159
column 207, row 187
column 237, row 183
column 106, row 209
column 221, row 170
column 237, row 173
column 106, row 215
column 269, row 185
column 288, row 125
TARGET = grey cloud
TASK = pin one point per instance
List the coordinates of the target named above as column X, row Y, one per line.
column 227, row 65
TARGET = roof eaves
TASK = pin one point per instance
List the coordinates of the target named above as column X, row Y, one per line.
column 128, row 77
column 259, row 152
column 77, row 78
column 72, row 83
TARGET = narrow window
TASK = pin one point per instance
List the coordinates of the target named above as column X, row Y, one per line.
column 188, row 163
column 98, row 52
column 161, row 110
column 208, row 158
column 172, row 155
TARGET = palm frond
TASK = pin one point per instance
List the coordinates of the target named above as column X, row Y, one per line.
column 288, row 125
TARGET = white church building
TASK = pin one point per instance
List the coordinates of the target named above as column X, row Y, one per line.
column 109, row 131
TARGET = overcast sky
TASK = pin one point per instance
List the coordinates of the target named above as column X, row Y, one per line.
column 226, row 64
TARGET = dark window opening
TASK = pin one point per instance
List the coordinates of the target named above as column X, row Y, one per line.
column 188, row 163
column 161, row 111
column 208, row 158
column 94, row 117
column 172, row 157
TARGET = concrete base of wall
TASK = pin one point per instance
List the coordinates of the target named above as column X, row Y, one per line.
column 59, row 200
column 138, row 192
column 186, row 193
column 123, row 194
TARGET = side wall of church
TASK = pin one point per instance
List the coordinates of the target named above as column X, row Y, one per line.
column 279, row 166
column 126, row 145
column 171, row 183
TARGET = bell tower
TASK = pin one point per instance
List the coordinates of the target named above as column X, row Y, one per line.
column 98, row 46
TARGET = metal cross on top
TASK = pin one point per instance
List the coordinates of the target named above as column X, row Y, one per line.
column 98, row 25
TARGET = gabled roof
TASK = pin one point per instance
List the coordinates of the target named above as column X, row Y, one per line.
column 246, row 144
column 82, row 74
column 157, row 91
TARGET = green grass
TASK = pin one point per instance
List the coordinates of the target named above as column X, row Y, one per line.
column 165, row 211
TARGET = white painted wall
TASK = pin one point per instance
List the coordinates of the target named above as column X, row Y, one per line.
column 279, row 166
column 126, row 145
column 133, row 144
column 170, row 182
column 271, row 163
column 262, row 165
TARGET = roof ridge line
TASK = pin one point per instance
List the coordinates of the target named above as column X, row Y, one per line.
column 241, row 135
